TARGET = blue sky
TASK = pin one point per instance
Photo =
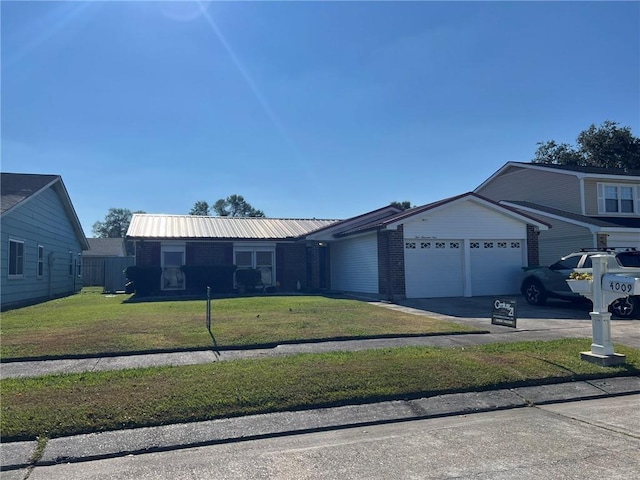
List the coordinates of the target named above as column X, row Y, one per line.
column 307, row 109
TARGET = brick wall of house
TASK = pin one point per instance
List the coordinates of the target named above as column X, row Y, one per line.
column 291, row 261
column 147, row 253
column 533, row 258
column 209, row 253
column 391, row 282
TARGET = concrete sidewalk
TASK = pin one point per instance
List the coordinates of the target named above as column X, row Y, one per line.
column 19, row 456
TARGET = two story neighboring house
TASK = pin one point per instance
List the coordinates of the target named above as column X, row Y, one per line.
column 587, row 207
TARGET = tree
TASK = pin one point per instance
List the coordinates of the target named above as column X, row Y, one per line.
column 200, row 208
column 235, row 206
column 606, row 146
column 401, row 205
column 115, row 225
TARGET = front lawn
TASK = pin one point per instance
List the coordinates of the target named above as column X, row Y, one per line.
column 91, row 323
column 60, row 405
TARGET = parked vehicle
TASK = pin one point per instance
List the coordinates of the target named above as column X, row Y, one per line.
column 542, row 283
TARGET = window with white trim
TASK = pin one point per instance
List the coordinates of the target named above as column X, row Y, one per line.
column 260, row 258
column 70, row 263
column 79, row 266
column 618, row 198
column 16, row 258
column 40, row 268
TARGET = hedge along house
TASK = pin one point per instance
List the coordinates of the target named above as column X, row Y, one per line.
column 276, row 247
column 461, row 246
column 42, row 240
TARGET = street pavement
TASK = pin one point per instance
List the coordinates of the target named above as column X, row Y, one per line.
column 597, row 438
column 556, row 321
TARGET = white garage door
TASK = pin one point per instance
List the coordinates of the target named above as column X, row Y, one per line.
column 495, row 266
column 354, row 264
column 434, row 268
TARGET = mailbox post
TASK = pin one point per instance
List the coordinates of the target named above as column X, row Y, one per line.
column 605, row 288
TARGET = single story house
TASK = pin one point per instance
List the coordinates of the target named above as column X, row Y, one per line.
column 465, row 245
column 41, row 240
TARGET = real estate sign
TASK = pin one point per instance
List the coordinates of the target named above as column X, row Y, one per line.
column 504, row 312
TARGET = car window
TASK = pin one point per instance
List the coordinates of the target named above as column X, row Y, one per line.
column 629, row 259
column 587, row 262
column 566, row 263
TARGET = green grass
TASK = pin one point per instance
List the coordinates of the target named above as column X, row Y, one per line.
column 60, row 405
column 91, row 323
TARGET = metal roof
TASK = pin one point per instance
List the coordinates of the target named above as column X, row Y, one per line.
column 245, row 228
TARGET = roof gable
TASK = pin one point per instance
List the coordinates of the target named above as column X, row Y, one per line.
column 19, row 188
column 577, row 171
column 392, row 222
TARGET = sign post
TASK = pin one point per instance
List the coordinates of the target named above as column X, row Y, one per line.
column 209, row 308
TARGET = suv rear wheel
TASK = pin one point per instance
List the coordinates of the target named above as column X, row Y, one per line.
column 627, row 307
column 533, row 291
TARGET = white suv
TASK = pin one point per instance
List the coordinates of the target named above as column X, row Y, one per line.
column 541, row 283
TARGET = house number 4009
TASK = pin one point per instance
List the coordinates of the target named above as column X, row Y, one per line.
column 621, row 287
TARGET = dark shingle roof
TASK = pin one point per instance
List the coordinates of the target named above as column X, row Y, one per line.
column 17, row 187
column 624, row 222
column 105, row 247
column 585, row 169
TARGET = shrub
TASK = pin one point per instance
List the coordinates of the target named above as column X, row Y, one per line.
column 218, row 277
column 146, row 280
column 248, row 277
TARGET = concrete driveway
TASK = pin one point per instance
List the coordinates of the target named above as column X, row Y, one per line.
column 559, row 318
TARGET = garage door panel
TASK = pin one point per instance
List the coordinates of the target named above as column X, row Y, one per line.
column 434, row 268
column 495, row 266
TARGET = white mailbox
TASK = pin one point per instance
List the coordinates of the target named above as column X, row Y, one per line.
column 603, row 290
column 621, row 284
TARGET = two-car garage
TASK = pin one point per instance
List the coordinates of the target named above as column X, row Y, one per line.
column 464, row 246
column 461, row 267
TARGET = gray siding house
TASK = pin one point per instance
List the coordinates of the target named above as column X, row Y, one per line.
column 41, row 240
column 587, row 207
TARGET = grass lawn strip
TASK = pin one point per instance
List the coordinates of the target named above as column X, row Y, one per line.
column 91, row 324
column 61, row 405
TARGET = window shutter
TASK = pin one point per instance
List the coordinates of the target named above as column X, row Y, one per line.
column 601, row 204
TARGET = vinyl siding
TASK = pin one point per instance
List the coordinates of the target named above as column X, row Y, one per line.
column 563, row 239
column 466, row 220
column 354, row 264
column 40, row 221
column 557, row 190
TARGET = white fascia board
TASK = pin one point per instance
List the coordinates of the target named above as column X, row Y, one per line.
column 474, row 199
